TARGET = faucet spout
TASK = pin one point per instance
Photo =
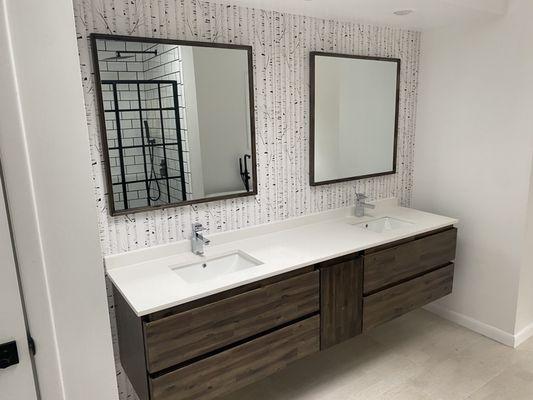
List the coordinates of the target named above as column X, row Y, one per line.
column 360, row 205
column 201, row 237
column 198, row 240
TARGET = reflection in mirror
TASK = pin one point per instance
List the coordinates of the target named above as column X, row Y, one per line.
column 354, row 114
column 178, row 119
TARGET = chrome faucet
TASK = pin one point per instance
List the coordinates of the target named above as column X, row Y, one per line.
column 198, row 240
column 360, row 205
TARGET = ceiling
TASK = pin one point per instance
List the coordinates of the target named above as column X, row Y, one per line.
column 428, row 14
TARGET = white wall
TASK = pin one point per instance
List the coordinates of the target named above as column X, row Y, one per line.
column 473, row 158
column 45, row 156
column 524, row 317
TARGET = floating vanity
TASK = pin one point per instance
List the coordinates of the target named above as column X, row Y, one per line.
column 194, row 327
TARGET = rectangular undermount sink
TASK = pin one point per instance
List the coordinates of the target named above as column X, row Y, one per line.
column 216, row 267
column 385, row 224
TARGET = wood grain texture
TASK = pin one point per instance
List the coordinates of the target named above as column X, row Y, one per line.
column 398, row 300
column 239, row 366
column 227, row 294
column 387, row 267
column 181, row 337
column 405, row 240
column 341, row 294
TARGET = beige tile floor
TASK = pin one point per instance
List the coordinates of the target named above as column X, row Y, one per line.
column 417, row 357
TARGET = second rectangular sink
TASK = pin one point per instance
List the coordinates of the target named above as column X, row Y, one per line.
column 216, row 267
column 384, row 224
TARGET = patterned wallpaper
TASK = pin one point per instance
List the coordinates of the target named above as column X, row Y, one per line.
column 281, row 45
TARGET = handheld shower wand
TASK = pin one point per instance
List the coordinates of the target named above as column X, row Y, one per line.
column 153, row 175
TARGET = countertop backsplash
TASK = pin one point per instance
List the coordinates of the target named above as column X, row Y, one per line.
column 281, row 45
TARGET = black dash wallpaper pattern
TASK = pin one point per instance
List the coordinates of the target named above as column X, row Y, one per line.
column 281, row 45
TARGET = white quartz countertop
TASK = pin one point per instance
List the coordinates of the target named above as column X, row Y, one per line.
column 147, row 281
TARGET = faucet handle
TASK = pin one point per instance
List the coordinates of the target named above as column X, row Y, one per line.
column 361, row 196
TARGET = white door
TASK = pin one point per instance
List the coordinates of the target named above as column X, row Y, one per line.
column 16, row 381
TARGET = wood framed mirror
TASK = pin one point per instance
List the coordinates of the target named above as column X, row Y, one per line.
column 354, row 109
column 176, row 120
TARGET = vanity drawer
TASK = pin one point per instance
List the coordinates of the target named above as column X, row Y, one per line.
column 387, row 267
column 240, row 366
column 400, row 299
column 177, row 338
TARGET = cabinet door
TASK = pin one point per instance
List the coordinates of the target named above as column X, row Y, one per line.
column 341, row 285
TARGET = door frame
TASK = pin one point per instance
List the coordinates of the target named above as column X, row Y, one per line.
column 44, row 148
column 23, row 374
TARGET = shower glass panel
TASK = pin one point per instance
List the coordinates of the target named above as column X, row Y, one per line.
column 144, row 142
column 177, row 121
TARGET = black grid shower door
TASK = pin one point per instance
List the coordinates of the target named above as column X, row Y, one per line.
column 164, row 109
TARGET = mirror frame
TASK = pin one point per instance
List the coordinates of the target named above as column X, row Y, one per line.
column 312, row 71
column 102, row 126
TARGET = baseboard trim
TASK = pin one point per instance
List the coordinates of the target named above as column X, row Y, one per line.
column 523, row 335
column 480, row 327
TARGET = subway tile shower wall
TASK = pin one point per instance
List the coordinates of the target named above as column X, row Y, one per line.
column 281, row 45
column 165, row 64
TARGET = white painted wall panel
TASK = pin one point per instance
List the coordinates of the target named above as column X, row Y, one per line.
column 473, row 159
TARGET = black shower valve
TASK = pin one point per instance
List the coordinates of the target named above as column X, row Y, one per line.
column 163, row 168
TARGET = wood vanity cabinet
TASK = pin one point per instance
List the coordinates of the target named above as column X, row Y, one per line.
column 215, row 345
column 209, row 347
column 361, row 291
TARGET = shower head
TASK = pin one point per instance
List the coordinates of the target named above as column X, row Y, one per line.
column 118, row 57
column 121, row 55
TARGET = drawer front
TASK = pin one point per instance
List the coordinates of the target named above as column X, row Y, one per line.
column 181, row 337
column 239, row 366
column 404, row 261
column 397, row 300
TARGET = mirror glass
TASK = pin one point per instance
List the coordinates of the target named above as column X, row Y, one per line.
column 177, row 121
column 354, row 114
